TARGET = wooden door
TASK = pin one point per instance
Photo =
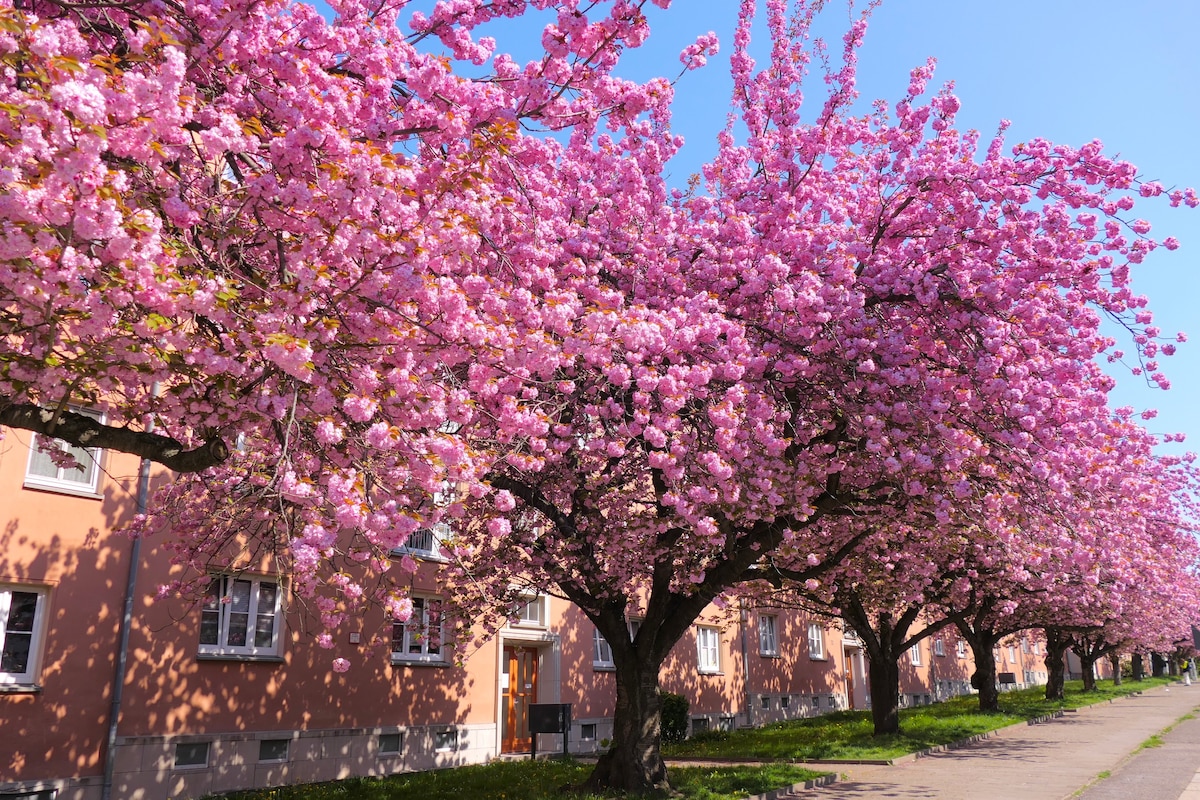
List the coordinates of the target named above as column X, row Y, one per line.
column 520, row 690
column 849, row 660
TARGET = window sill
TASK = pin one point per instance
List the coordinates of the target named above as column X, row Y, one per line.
column 770, row 655
column 716, row 673
column 239, row 657
column 604, row 667
column 61, row 488
column 421, row 555
column 403, row 662
column 20, row 688
column 811, row 657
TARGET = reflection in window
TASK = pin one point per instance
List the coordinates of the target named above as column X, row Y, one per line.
column 240, row 616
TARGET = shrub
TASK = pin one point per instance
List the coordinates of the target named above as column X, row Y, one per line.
column 674, row 717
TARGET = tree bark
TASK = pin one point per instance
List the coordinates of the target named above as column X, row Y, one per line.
column 1056, row 664
column 634, row 763
column 83, row 431
column 984, row 679
column 1158, row 665
column 1138, row 667
column 1088, row 665
column 884, row 680
column 1115, row 660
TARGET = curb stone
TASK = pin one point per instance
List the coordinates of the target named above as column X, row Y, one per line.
column 796, row 788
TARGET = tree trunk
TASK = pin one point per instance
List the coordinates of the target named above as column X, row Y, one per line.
column 1056, row 664
column 984, row 679
column 1158, row 665
column 1088, row 665
column 634, row 763
column 1115, row 660
column 885, row 693
column 1138, row 667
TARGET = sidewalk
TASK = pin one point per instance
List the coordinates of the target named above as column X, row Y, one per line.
column 1047, row 761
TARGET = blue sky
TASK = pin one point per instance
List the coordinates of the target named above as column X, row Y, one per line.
column 1066, row 70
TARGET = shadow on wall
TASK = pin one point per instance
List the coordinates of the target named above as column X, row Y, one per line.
column 63, row 548
column 59, row 548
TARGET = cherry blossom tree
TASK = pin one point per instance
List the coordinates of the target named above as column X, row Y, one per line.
column 339, row 278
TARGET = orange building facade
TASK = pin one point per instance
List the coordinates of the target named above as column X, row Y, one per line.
column 234, row 692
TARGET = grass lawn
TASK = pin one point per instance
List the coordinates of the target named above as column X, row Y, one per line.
column 542, row 780
column 847, row 734
column 842, row 735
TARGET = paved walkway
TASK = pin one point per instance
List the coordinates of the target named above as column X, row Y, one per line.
column 1052, row 760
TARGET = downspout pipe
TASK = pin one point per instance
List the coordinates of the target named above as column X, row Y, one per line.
column 135, row 553
column 749, row 698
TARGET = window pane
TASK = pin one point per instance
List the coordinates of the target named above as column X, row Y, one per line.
column 210, row 614
column 40, row 464
column 264, row 628
column 21, row 612
column 433, row 630
column 85, row 472
column 16, row 652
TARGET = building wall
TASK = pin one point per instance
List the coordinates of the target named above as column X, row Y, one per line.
column 194, row 721
column 58, row 546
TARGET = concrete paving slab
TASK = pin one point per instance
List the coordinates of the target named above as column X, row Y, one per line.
column 1050, row 760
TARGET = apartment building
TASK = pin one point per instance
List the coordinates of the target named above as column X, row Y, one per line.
column 233, row 691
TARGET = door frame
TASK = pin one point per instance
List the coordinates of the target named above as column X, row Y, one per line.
column 549, row 689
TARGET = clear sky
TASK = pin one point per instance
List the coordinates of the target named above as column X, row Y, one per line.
column 1066, row 70
column 1127, row 73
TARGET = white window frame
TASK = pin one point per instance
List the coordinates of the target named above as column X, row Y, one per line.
column 602, row 656
column 914, row 654
column 768, row 635
column 708, row 649
column 1024, row 645
column 415, row 633
column 960, row 648
column 816, row 641
column 939, row 649
column 36, row 634
column 61, row 482
column 426, row 543
column 225, row 607
column 539, row 603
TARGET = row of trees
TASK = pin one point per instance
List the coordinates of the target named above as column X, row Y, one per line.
column 854, row 366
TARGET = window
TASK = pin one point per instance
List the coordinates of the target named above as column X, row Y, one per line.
column 939, row 649
column 602, row 657
column 768, row 641
column 816, row 641
column 422, row 637
column 914, row 654
column 427, row 542
column 43, row 472
column 587, row 732
column 708, row 649
column 531, row 613
column 699, row 725
column 785, row 701
column 1012, row 654
column 1024, row 645
column 635, row 625
column 241, row 617
column 960, row 649
column 816, row 701
column 191, row 754
column 273, row 750
column 390, row 744
column 445, row 741
column 22, row 620
column 765, row 702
